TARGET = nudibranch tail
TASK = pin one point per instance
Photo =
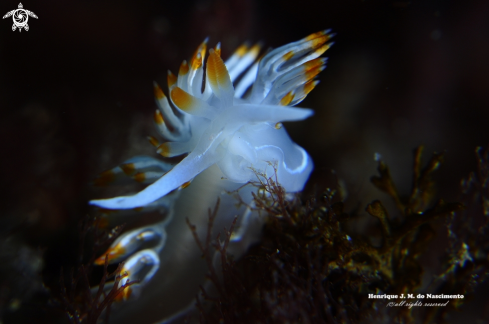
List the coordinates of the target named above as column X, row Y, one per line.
column 223, row 126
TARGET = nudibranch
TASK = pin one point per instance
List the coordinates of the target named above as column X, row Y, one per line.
column 219, row 126
column 227, row 132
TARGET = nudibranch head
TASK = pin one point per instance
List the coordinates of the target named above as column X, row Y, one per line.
column 234, row 127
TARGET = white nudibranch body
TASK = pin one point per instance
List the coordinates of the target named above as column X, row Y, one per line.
column 218, row 126
column 231, row 131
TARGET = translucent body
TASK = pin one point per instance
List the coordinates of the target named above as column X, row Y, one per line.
column 228, row 135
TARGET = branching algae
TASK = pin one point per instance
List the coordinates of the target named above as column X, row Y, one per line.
column 308, row 269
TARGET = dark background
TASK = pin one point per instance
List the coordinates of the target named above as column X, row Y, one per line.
column 76, row 98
